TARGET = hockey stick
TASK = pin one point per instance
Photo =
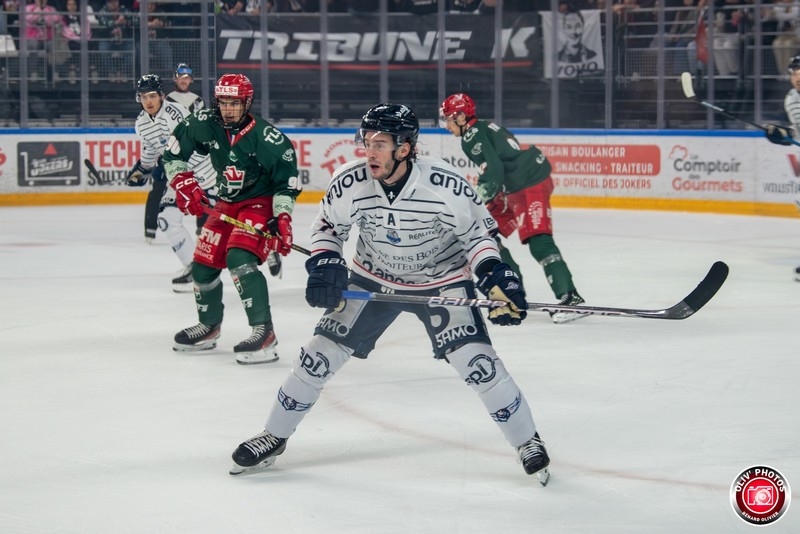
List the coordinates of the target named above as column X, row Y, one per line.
column 92, row 171
column 252, row 229
column 695, row 300
column 688, row 90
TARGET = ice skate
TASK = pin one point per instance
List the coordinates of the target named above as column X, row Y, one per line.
column 257, row 453
column 149, row 235
column 275, row 264
column 534, row 458
column 797, row 274
column 570, row 298
column 183, row 283
column 259, row 347
column 198, row 337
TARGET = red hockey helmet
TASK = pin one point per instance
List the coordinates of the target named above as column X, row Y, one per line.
column 233, row 86
column 456, row 103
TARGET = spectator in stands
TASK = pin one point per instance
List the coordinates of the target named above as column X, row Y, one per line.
column 73, row 27
column 8, row 15
column 729, row 31
column 680, row 35
column 160, row 50
column 115, row 44
column 232, row 7
column 42, row 21
column 786, row 44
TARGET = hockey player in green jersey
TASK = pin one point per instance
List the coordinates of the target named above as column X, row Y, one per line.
column 516, row 186
column 257, row 178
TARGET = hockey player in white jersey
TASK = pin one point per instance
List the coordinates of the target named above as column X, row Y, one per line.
column 422, row 230
column 782, row 135
column 153, row 126
column 183, row 78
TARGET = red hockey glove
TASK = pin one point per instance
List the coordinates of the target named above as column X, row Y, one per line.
column 190, row 198
column 281, row 229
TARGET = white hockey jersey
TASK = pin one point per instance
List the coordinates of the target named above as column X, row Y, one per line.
column 189, row 100
column 792, row 106
column 154, row 133
column 433, row 234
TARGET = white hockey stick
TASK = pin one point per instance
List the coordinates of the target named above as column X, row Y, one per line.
column 688, row 90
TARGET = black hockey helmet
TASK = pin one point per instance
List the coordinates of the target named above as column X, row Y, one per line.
column 395, row 119
column 149, row 83
column 794, row 64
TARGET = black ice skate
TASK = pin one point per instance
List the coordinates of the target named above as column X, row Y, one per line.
column 275, row 264
column 183, row 283
column 259, row 347
column 149, row 235
column 534, row 458
column 571, row 298
column 198, row 337
column 797, row 274
column 257, row 453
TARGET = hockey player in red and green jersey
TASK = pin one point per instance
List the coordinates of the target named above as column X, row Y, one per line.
column 257, row 179
column 516, row 186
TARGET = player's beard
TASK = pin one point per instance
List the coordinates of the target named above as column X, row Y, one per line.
column 385, row 172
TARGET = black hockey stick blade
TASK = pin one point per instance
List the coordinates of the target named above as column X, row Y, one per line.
column 92, row 171
column 695, row 300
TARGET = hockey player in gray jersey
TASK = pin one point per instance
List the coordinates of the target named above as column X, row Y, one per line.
column 153, row 126
column 422, row 230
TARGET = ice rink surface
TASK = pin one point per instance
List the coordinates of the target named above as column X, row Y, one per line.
column 106, row 430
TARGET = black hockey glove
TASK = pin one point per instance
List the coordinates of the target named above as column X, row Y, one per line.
column 138, row 176
column 779, row 135
column 504, row 284
column 327, row 278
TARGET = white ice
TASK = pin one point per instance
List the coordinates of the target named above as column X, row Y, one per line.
column 106, row 430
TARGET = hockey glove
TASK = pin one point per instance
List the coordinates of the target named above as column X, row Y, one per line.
column 138, row 175
column 280, row 228
column 504, row 284
column 327, row 278
column 779, row 135
column 189, row 197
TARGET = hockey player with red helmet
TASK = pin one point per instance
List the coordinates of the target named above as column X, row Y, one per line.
column 516, row 186
column 257, row 180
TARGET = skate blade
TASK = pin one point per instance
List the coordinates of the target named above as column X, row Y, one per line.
column 237, row 469
column 195, row 348
column 254, row 358
column 543, row 476
column 183, row 288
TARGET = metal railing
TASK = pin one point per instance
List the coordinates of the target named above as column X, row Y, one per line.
column 90, row 82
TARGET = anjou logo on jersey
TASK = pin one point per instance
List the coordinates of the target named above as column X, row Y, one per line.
column 226, row 90
column 234, row 178
column 470, row 134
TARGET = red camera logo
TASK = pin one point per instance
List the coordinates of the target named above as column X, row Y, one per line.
column 760, row 495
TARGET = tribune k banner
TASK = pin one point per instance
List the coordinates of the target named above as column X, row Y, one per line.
column 293, row 51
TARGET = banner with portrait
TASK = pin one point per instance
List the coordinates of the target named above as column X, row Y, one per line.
column 580, row 45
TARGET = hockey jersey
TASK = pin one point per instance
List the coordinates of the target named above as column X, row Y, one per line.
column 154, row 133
column 433, row 234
